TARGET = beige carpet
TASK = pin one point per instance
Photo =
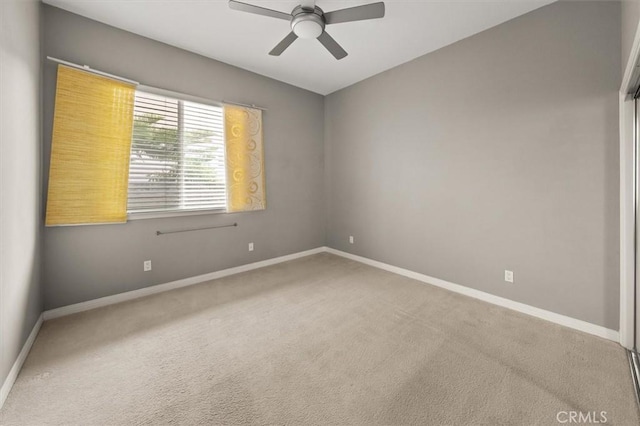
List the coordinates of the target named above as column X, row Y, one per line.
column 319, row 340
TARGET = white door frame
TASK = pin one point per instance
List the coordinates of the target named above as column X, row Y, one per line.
column 627, row 202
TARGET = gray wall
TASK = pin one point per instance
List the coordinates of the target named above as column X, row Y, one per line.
column 497, row 152
column 630, row 18
column 87, row 262
column 20, row 74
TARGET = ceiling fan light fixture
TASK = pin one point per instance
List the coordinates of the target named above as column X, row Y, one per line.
column 307, row 29
column 307, row 24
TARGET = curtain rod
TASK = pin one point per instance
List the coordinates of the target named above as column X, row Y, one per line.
column 116, row 77
column 244, row 105
column 94, row 71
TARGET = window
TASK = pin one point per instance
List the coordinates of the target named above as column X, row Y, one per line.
column 120, row 150
column 177, row 156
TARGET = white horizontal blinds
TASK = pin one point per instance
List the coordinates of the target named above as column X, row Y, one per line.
column 177, row 155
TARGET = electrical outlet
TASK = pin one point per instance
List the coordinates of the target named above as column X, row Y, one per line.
column 250, row 246
column 508, row 276
column 147, row 265
column 350, row 239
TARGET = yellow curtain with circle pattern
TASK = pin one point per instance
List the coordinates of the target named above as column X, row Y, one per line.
column 90, row 149
column 244, row 158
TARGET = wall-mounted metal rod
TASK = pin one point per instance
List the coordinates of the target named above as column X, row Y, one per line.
column 195, row 229
column 91, row 70
column 244, row 105
column 87, row 68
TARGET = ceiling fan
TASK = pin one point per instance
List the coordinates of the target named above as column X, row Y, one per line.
column 308, row 21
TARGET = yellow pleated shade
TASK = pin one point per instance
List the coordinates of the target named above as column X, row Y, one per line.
column 244, row 158
column 90, row 149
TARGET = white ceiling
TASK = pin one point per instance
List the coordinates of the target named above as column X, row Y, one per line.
column 411, row 28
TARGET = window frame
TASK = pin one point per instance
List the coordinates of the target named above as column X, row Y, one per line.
column 179, row 212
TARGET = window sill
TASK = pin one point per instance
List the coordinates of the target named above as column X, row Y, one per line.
column 172, row 213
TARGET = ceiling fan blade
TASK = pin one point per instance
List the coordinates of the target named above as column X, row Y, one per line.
column 332, row 46
column 308, row 4
column 358, row 13
column 282, row 46
column 244, row 7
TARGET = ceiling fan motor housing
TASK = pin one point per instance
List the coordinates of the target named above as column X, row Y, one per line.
column 307, row 23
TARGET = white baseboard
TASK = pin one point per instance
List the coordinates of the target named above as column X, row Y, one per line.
column 563, row 320
column 566, row 321
column 147, row 291
column 17, row 365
